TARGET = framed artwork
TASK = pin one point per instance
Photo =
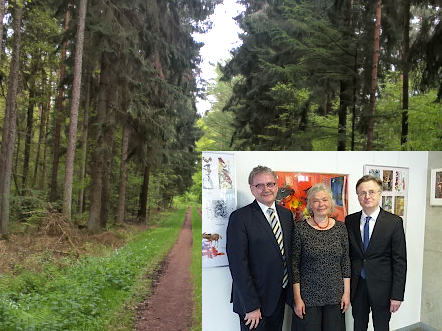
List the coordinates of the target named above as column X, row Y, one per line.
column 394, row 188
column 436, row 187
column 293, row 187
column 218, row 202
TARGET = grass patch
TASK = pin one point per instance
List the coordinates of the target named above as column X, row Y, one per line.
column 195, row 269
column 97, row 293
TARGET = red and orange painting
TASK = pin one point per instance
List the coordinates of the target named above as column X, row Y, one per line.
column 293, row 187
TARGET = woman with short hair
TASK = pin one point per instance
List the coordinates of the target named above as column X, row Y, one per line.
column 321, row 266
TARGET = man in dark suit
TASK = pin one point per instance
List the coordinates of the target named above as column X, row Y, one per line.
column 378, row 257
column 258, row 248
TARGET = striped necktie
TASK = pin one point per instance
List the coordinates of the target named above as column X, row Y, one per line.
column 276, row 228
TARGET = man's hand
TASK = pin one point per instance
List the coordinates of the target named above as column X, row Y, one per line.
column 394, row 305
column 253, row 318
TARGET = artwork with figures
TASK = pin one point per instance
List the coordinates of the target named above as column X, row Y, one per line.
column 436, row 187
column 387, row 203
column 394, row 188
column 218, row 202
column 293, row 187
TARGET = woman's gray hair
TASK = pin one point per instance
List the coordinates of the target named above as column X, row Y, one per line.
column 321, row 187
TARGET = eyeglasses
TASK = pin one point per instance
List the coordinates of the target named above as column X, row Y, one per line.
column 262, row 186
column 370, row 193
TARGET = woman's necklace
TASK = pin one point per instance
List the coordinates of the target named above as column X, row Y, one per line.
column 322, row 227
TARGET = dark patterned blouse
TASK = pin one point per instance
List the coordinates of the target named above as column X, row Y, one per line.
column 320, row 263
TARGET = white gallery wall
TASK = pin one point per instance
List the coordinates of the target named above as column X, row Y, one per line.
column 217, row 314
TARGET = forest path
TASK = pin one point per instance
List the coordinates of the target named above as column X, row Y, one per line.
column 170, row 305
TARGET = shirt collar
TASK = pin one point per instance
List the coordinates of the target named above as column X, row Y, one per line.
column 374, row 215
column 265, row 207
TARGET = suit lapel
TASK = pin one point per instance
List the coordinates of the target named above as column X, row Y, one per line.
column 357, row 230
column 265, row 226
column 379, row 227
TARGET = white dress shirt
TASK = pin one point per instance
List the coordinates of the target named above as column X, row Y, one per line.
column 371, row 223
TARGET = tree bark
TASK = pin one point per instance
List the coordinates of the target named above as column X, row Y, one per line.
column 143, row 195
column 123, row 176
column 107, row 170
column 98, row 160
column 41, row 128
column 10, row 125
column 59, row 117
column 374, row 75
column 405, row 69
column 42, row 182
column 17, row 154
column 2, row 15
column 342, row 114
column 76, row 89
column 28, row 137
column 84, row 144
column 353, row 107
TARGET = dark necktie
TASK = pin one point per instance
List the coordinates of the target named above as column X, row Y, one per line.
column 366, row 232
column 276, row 228
column 365, row 241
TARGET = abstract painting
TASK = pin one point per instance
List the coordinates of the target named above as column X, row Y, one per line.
column 293, row 188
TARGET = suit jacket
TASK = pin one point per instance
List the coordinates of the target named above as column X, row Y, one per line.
column 385, row 260
column 255, row 259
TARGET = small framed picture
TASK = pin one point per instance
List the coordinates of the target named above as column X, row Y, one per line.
column 436, row 187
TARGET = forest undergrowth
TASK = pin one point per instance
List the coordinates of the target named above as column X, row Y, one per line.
column 56, row 276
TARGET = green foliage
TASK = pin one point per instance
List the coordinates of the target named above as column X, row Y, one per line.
column 304, row 71
column 424, row 117
column 217, row 124
column 87, row 295
column 195, row 190
column 29, row 207
column 195, row 269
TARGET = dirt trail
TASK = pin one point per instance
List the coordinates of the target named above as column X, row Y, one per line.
column 170, row 305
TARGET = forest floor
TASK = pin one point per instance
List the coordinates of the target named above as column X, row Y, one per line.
column 56, row 239
column 59, row 241
column 170, row 305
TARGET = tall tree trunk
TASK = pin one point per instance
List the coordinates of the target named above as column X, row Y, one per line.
column 405, row 69
column 28, row 138
column 40, row 140
column 10, row 125
column 107, row 171
column 98, row 160
column 124, row 104
column 17, row 151
column 2, row 15
column 76, row 89
column 43, row 112
column 123, row 176
column 345, row 84
column 42, row 182
column 374, row 76
column 59, row 116
column 353, row 108
column 342, row 114
column 108, row 146
column 84, row 144
column 143, row 195
column 354, row 90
